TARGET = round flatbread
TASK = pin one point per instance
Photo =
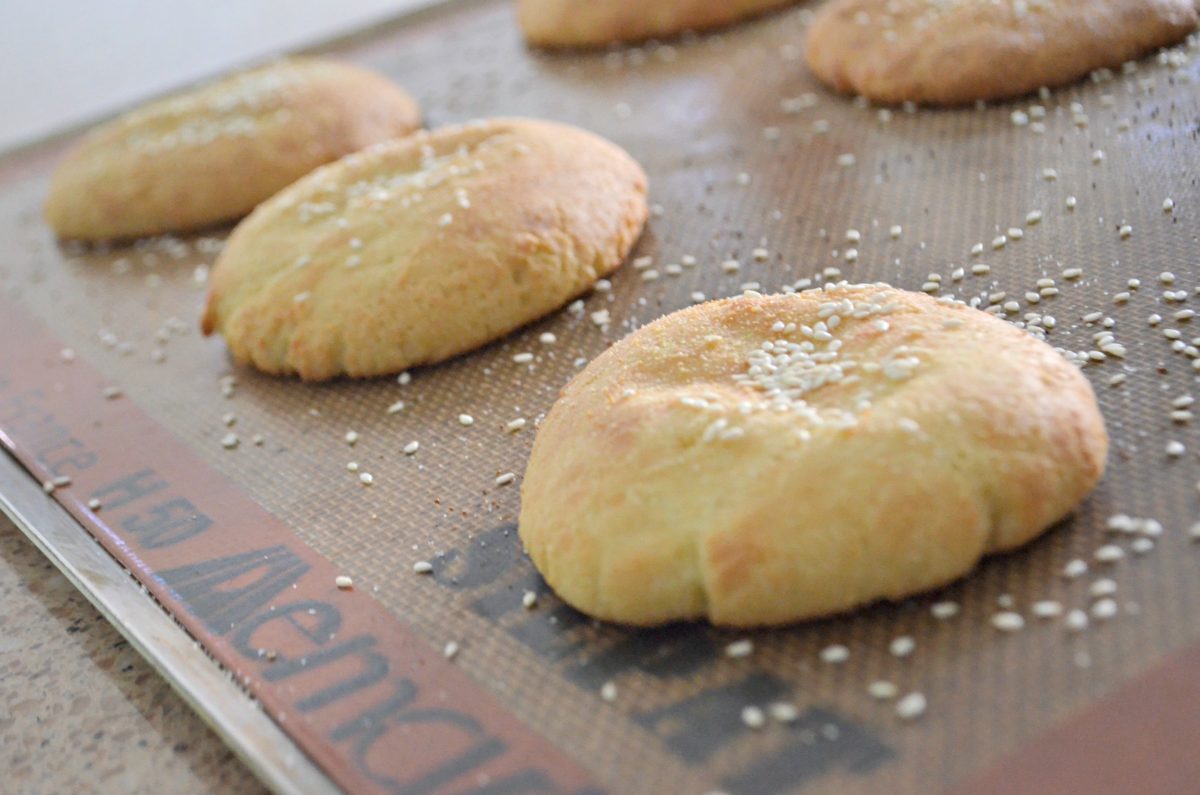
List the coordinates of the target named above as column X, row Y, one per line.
column 595, row 23
column 211, row 154
column 760, row 460
column 423, row 248
column 948, row 52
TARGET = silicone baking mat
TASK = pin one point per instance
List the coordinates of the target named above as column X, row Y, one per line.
column 1074, row 211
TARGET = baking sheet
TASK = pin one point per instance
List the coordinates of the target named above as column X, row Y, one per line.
column 699, row 114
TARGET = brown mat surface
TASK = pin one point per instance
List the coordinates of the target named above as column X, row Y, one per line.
column 698, row 114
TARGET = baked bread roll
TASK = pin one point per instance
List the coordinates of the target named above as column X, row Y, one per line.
column 595, row 23
column 423, row 248
column 949, row 52
column 766, row 459
column 211, row 154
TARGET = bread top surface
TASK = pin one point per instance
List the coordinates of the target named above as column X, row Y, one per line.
column 754, row 461
column 948, row 52
column 595, row 23
column 212, row 153
column 422, row 248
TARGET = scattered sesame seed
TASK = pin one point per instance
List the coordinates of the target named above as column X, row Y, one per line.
column 351, row 437
column 753, row 717
column 1175, row 449
column 505, row 479
column 1125, row 231
column 396, row 407
column 1047, row 609
column 412, row 447
column 450, row 650
column 911, row 706
column 1102, row 588
column 846, row 160
column 229, row 441
column 1072, row 202
column 343, row 582
column 835, row 654
column 112, row 392
column 896, row 231
column 882, row 690
column 783, row 712
column 546, row 338
column 529, row 600
column 1034, row 217
column 1193, row 532
column 1168, row 205
column 902, row 646
column 740, row 648
column 1141, row 546
column 366, row 478
column 944, row 610
column 1076, row 621
column 522, row 358
column 93, row 504
column 423, row 567
column 512, row 426
column 1008, row 621
column 1104, row 609
column 608, row 691
column 1109, row 553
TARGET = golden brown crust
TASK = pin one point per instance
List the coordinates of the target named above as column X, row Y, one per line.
column 595, row 23
column 422, row 248
column 663, row 487
column 950, row 52
column 212, row 154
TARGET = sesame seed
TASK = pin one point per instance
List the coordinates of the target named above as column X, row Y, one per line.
column 1109, row 553
column 1125, row 231
column 1168, row 205
column 608, row 691
column 1076, row 621
column 783, row 712
column 366, row 478
column 1072, row 202
column 112, row 393
column 1102, row 588
column 343, row 582
column 1047, row 609
column 944, row 610
column 1008, row 621
column 396, row 407
column 1104, row 609
column 882, row 690
column 835, row 654
column 412, row 447
column 846, row 160
column 1193, row 532
column 529, row 600
column 1175, row 449
column 896, row 231
column 351, row 437
column 423, row 567
column 1141, row 546
column 731, row 266
column 229, row 441
column 522, row 358
column 512, row 426
column 740, row 648
column 753, row 717
column 902, row 646
column 404, row 378
column 546, row 338
column 450, row 650
column 1034, row 217
column 981, row 269
column 600, row 317
column 911, row 706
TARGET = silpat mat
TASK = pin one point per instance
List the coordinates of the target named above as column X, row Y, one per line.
column 749, row 160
